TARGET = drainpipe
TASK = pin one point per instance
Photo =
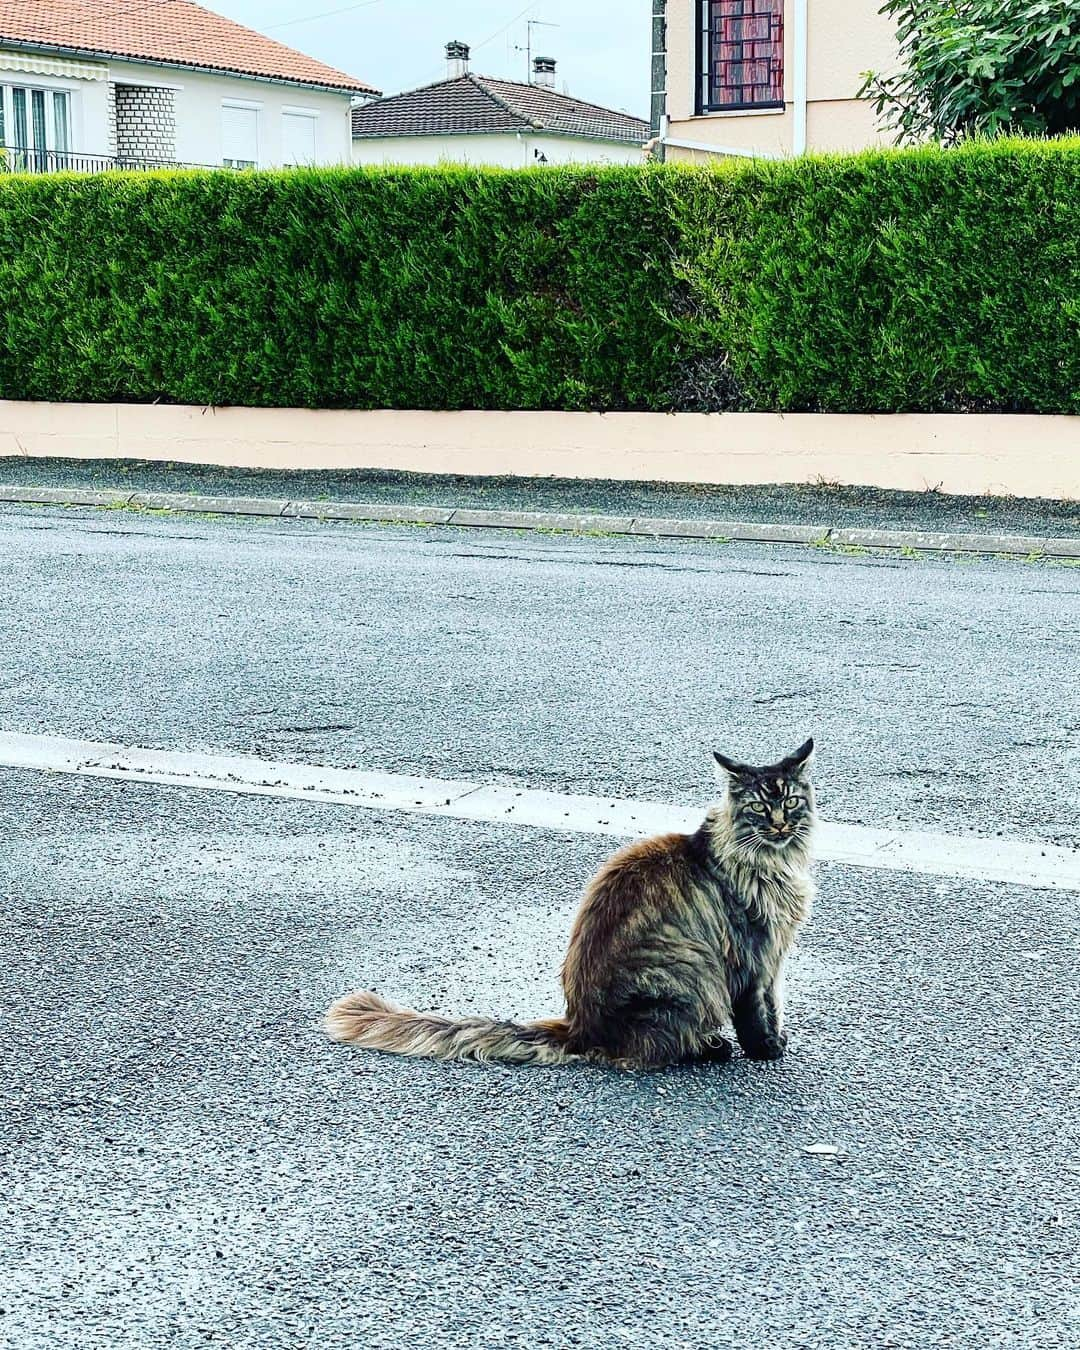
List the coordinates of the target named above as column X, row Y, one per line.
column 658, row 116
column 798, row 136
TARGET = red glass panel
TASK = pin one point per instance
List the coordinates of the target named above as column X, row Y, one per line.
column 744, row 53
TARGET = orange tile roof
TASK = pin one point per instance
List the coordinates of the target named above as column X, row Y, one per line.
column 172, row 32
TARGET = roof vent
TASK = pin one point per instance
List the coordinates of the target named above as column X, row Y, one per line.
column 457, row 59
column 544, row 71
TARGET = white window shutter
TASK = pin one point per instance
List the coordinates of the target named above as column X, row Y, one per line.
column 297, row 138
column 239, row 135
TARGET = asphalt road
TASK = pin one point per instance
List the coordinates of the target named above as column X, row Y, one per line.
column 943, row 694
column 188, row 1163
column 184, row 1161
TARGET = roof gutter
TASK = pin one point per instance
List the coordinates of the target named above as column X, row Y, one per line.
column 94, row 55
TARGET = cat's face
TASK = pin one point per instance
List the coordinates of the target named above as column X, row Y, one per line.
column 772, row 806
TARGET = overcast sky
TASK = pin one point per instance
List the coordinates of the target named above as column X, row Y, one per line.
column 602, row 46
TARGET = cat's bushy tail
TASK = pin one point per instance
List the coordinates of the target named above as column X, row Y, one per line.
column 374, row 1023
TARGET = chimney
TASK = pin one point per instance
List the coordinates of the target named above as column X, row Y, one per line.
column 457, row 59
column 544, row 71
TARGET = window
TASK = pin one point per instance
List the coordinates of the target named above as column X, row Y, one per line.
column 298, row 138
column 61, row 122
column 37, row 104
column 35, row 127
column 19, row 128
column 741, row 55
column 239, row 136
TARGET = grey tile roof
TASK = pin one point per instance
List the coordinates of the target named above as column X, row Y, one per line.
column 472, row 104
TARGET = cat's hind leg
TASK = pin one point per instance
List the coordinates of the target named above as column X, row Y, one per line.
column 754, row 1014
column 649, row 1032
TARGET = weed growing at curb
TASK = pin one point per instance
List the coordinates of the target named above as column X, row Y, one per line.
column 828, row 545
column 825, row 543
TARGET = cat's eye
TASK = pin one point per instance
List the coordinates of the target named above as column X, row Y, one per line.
column 758, row 808
column 792, row 803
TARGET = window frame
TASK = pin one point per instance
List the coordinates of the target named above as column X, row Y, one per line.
column 311, row 115
column 703, row 105
column 27, row 153
column 243, row 105
column 61, row 99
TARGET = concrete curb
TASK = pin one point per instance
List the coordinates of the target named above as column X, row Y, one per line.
column 655, row 527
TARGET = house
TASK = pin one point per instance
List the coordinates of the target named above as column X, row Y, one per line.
column 475, row 119
column 768, row 78
column 137, row 84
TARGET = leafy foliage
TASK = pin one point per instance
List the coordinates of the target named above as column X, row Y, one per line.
column 891, row 281
column 885, row 282
column 336, row 288
column 972, row 67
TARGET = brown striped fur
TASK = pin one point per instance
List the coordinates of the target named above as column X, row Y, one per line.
column 676, row 937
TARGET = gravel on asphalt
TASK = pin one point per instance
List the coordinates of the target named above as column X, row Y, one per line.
column 187, row 1162
column 822, row 504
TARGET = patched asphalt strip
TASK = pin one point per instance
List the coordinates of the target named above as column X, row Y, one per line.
column 654, row 527
column 1009, row 861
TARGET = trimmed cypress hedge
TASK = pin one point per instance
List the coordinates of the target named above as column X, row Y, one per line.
column 923, row 280
column 884, row 282
column 336, row 288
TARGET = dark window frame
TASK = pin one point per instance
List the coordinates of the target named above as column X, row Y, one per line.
column 703, row 98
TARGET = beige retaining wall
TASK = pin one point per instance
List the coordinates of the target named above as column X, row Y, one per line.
column 994, row 454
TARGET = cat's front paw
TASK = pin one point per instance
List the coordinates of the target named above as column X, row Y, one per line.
column 716, row 1049
column 768, row 1047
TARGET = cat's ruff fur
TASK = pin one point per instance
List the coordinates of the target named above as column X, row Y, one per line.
column 676, row 937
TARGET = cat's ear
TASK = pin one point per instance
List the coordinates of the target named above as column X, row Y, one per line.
column 731, row 767
column 801, row 759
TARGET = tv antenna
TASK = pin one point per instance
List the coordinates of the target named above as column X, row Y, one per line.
column 527, row 49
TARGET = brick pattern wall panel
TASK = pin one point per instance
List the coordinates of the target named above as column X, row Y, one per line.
column 145, row 123
column 110, row 114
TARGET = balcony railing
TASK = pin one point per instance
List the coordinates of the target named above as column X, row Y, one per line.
column 13, row 159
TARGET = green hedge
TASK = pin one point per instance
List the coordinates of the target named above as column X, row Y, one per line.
column 900, row 281
column 888, row 281
column 336, row 288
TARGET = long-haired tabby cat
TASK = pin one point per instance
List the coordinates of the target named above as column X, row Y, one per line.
column 676, row 937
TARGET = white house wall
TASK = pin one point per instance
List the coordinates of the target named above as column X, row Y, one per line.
column 568, row 150
column 509, row 151
column 198, row 102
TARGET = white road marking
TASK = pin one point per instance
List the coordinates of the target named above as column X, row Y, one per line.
column 1010, row 861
